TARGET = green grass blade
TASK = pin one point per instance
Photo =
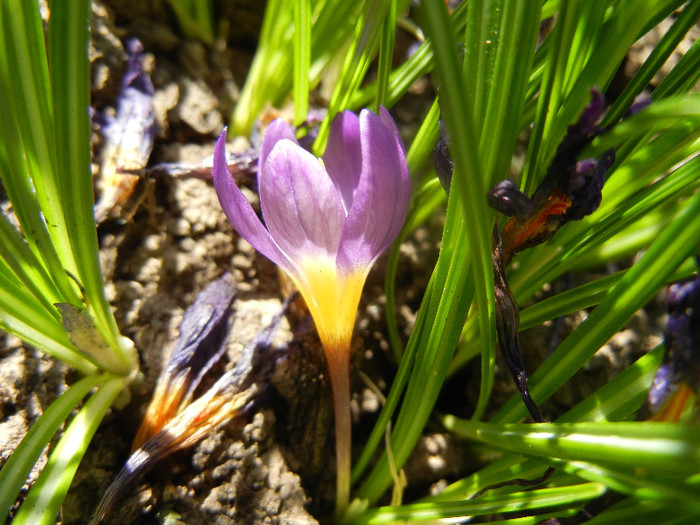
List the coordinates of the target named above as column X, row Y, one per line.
column 420, row 63
column 583, row 296
column 23, row 315
column 513, row 48
column 644, row 484
column 31, row 105
column 357, row 62
column 559, row 42
column 451, row 288
column 616, row 401
column 70, row 78
column 625, row 25
column 639, row 284
column 23, row 264
column 683, row 76
column 516, row 502
column 20, row 463
column 386, row 52
column 47, row 494
column 500, row 43
column 23, row 133
column 666, row 447
column 653, row 63
column 302, row 59
column 468, row 180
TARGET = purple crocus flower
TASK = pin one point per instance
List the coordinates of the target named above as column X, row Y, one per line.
column 326, row 223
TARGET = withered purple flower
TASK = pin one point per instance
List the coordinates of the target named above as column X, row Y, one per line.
column 202, row 342
column 326, row 223
column 174, row 419
column 128, row 136
column 677, row 383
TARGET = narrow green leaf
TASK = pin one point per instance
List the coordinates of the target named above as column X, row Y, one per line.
column 359, row 57
column 70, row 78
column 302, row 59
column 516, row 502
column 30, row 103
column 638, row 285
column 659, row 54
column 386, row 53
column 22, row 263
column 683, row 76
column 24, row 316
column 16, row 162
column 20, row 463
column 617, row 400
column 669, row 447
column 47, row 494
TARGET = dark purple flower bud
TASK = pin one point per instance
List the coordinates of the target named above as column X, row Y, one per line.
column 585, row 186
column 578, row 136
column 444, row 166
column 506, row 198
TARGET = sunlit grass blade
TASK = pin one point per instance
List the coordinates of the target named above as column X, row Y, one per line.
column 583, row 296
column 625, row 25
column 386, row 52
column 645, row 484
column 361, row 53
column 22, row 264
column 633, row 510
column 270, row 78
column 638, row 285
column 616, row 401
column 512, row 48
column 500, row 39
column 302, row 59
column 452, row 285
column 32, row 108
column 17, row 468
column 70, row 88
column 675, row 112
column 559, row 43
column 23, row 314
column 668, row 447
column 47, row 494
column 683, row 76
column 24, row 132
column 652, row 65
column 426, row 356
column 418, row 64
column 516, row 502
column 469, row 182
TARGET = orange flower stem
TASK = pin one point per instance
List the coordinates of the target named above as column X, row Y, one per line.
column 338, row 359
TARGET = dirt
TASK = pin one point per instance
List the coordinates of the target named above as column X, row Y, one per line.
column 274, row 464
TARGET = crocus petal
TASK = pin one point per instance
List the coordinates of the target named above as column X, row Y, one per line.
column 343, row 156
column 382, row 196
column 276, row 131
column 300, row 205
column 239, row 211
